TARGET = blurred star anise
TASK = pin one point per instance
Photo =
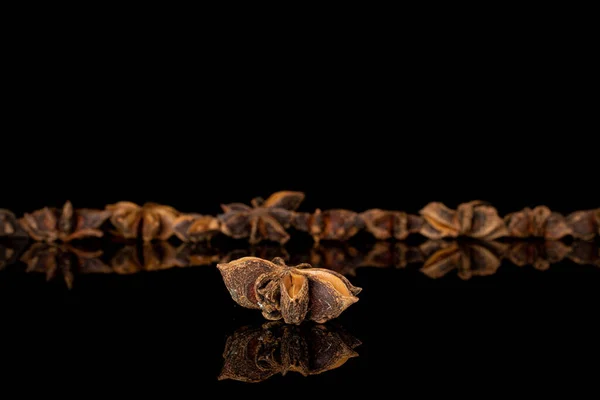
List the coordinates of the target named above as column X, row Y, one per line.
column 475, row 219
column 265, row 220
column 9, row 225
column 150, row 221
column 537, row 222
column 51, row 224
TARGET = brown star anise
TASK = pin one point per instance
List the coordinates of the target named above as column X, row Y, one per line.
column 265, row 220
column 385, row 224
column 9, row 225
column 539, row 222
column 254, row 354
column 51, row 224
column 475, row 219
column 584, row 224
column 196, row 227
column 337, row 224
column 292, row 293
column 150, row 221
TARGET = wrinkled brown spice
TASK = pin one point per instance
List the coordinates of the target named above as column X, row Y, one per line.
column 66, row 224
column 475, row 219
column 265, row 220
column 255, row 354
column 9, row 225
column 269, row 220
column 150, row 221
column 293, row 294
column 537, row 222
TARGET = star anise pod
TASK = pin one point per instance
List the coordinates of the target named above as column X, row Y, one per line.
column 9, row 225
column 337, row 224
column 66, row 224
column 150, row 221
column 584, row 224
column 475, row 219
column 254, row 354
column 539, row 222
column 385, row 224
column 196, row 227
column 293, row 294
column 265, row 220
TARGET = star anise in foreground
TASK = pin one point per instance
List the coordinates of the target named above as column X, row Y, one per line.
column 150, row 221
column 293, row 294
column 254, row 354
column 66, row 224
column 265, row 220
column 475, row 219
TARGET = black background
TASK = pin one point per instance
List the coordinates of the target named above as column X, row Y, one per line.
column 513, row 131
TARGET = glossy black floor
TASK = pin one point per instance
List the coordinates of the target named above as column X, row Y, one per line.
column 167, row 330
column 170, row 329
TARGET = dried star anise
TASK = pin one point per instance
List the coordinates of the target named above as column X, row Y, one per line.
column 385, row 224
column 330, row 224
column 584, row 224
column 539, row 222
column 255, row 354
column 196, row 227
column 265, row 220
column 9, row 225
column 51, row 224
column 292, row 293
column 150, row 221
column 475, row 219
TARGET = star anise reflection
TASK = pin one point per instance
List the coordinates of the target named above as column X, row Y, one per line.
column 10, row 250
column 64, row 260
column 468, row 258
column 155, row 256
column 437, row 257
column 254, row 354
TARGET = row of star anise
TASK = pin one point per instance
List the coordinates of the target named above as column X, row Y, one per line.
column 269, row 220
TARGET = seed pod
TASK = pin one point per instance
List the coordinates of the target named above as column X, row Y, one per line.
column 151, row 221
column 292, row 293
column 66, row 224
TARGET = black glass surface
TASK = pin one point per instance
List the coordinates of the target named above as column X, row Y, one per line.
column 525, row 316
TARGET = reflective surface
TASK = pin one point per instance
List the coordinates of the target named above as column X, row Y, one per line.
column 431, row 313
column 434, row 258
